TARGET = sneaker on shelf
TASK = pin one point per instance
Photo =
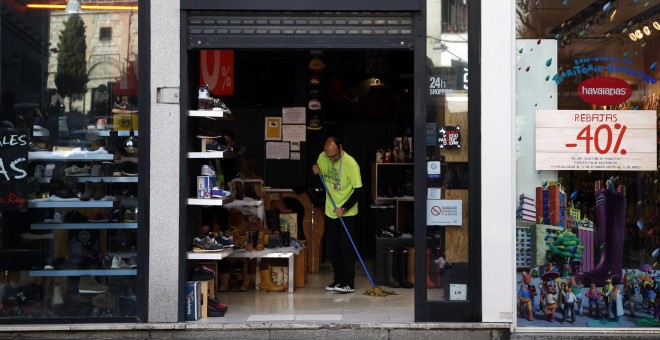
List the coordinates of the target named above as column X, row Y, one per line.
column 208, row 133
column 88, row 285
column 129, row 168
column 130, row 216
column 215, row 146
column 95, row 171
column 343, row 288
column 58, row 217
column 102, row 124
column 218, row 193
column 207, row 170
column 226, row 242
column 74, row 170
column 39, row 171
column 314, row 123
column 132, row 262
column 48, row 170
column 206, row 244
column 219, row 105
column 118, row 263
column 100, row 216
column 123, row 106
column 116, row 215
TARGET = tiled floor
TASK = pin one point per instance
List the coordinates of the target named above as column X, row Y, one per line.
column 313, row 304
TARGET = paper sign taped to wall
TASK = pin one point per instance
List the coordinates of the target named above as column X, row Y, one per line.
column 444, row 212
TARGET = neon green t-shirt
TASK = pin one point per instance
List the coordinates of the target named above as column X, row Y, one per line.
column 345, row 173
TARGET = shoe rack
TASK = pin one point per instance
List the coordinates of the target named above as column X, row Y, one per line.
column 103, row 182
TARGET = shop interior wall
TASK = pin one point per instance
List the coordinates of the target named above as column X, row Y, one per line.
column 265, row 81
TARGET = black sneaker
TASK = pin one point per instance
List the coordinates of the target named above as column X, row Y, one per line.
column 213, row 311
column 345, row 288
column 331, row 287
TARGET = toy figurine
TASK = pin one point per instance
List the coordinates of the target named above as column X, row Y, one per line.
column 577, row 290
column 532, row 296
column 629, row 291
column 617, row 303
column 569, row 304
column 593, row 295
column 535, row 272
column 550, row 303
column 606, row 294
column 525, row 302
column 650, row 295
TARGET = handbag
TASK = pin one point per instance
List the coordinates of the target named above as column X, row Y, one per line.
column 316, row 195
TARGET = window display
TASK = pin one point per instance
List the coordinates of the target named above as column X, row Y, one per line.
column 70, row 152
column 588, row 222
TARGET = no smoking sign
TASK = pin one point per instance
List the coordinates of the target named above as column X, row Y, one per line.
column 444, row 212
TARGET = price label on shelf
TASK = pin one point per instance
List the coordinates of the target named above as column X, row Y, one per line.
column 596, row 140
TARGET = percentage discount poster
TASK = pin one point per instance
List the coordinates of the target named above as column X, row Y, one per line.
column 216, row 69
column 596, row 140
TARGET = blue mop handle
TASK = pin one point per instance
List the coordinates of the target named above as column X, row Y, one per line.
column 348, row 234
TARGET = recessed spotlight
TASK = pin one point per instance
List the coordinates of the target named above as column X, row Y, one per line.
column 646, row 30
column 632, row 36
column 639, row 34
column 656, row 25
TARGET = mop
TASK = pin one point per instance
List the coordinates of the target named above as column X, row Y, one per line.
column 374, row 291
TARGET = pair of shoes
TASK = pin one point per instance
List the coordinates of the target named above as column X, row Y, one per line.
column 314, row 123
column 388, row 232
column 93, row 190
column 206, row 101
column 213, row 311
column 215, row 146
column 130, row 215
column 344, row 288
column 123, row 106
column 129, row 168
column 206, row 244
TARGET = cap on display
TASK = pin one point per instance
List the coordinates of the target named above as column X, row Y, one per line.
column 314, row 104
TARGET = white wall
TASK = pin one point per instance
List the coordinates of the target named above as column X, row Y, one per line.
column 497, row 160
column 164, row 294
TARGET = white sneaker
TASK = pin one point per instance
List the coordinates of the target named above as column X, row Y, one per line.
column 118, row 263
column 207, row 170
column 48, row 172
column 39, row 171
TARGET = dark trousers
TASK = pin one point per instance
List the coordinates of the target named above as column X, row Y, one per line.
column 339, row 249
column 569, row 306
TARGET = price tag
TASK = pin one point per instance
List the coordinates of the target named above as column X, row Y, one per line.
column 596, row 140
column 457, row 292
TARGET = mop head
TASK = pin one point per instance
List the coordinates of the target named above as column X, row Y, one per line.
column 377, row 291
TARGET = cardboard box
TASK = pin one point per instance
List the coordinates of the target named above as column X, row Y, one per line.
column 193, row 300
column 204, row 287
column 204, row 186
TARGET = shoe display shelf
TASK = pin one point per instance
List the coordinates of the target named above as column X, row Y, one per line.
column 83, row 179
column 390, row 185
column 68, row 156
column 98, row 133
column 80, row 272
column 216, row 255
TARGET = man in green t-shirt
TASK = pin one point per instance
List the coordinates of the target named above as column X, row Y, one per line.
column 342, row 177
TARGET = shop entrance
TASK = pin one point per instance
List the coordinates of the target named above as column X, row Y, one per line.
column 350, row 74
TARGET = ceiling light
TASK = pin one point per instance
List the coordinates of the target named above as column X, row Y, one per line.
column 73, row 7
column 612, row 15
column 639, row 34
column 646, row 30
column 656, row 25
column 632, row 36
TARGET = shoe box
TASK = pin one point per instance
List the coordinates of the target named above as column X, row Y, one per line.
column 204, row 186
column 196, row 300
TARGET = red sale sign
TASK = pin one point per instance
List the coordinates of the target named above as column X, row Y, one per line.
column 216, row 69
column 596, row 140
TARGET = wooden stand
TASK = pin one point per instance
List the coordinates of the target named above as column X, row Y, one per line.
column 313, row 241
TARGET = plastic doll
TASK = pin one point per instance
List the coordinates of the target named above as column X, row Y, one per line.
column 650, row 294
column 525, row 302
column 569, row 304
column 535, row 272
column 593, row 295
column 629, row 291
column 532, row 296
column 577, row 290
column 617, row 303
column 550, row 303
column 606, row 294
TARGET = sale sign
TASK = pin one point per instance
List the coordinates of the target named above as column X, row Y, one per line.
column 216, row 69
column 13, row 168
column 596, row 140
